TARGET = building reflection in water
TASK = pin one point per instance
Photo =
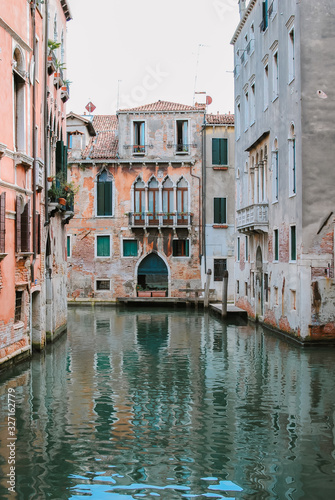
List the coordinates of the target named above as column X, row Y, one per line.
column 171, row 399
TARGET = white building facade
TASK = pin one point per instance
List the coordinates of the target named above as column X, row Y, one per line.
column 285, row 181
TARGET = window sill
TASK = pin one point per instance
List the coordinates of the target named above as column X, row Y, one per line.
column 220, row 168
column 18, row 325
column 266, row 108
column 180, row 256
column 3, row 255
column 275, row 98
column 220, row 226
column 291, row 81
column 292, row 195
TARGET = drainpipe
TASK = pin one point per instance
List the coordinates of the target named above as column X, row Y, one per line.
column 46, row 131
column 34, row 138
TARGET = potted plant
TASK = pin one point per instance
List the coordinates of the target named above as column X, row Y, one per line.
column 141, row 292
column 158, row 293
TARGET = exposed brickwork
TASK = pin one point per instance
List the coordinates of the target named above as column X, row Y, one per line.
column 243, row 303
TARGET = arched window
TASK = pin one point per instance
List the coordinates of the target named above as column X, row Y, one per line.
column 104, row 195
column 168, row 200
column 182, row 201
column 153, row 205
column 55, row 28
column 139, row 202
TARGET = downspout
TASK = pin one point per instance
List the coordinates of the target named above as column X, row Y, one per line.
column 34, row 138
column 46, row 121
column 200, row 221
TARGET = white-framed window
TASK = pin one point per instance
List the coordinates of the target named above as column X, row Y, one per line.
column 252, row 103
column 276, row 245
column 246, row 110
column 238, row 249
column 293, row 243
column 275, row 75
column 103, row 245
column 292, row 162
column 238, row 118
column 275, row 172
column 68, row 246
column 266, row 86
column 139, row 134
column 182, row 136
column 291, row 55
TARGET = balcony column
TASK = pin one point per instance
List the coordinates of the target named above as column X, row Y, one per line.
column 175, row 203
column 256, row 185
column 260, row 182
column 265, row 180
column 251, row 186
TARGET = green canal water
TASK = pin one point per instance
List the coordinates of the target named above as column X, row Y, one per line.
column 173, row 404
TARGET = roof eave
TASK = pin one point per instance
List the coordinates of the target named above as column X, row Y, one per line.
column 66, row 9
column 242, row 21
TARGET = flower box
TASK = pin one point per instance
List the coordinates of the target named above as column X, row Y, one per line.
column 158, row 293
column 143, row 293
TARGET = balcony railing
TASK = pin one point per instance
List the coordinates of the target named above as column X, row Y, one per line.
column 139, row 149
column 253, row 219
column 160, row 219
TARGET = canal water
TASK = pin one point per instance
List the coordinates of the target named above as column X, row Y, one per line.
column 156, row 403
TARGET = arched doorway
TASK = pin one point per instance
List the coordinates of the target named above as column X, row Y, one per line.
column 152, row 273
column 259, row 282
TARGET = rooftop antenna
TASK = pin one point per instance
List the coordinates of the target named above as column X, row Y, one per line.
column 118, row 95
column 196, row 71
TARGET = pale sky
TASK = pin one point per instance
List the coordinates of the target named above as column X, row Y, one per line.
column 149, row 51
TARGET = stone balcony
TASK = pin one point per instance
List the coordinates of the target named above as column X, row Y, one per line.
column 160, row 219
column 253, row 219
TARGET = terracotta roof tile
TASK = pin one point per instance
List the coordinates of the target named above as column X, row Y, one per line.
column 165, row 106
column 105, row 144
column 226, row 119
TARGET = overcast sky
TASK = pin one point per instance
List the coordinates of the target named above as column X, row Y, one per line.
column 143, row 51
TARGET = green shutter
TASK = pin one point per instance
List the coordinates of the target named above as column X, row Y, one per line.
column 60, row 159
column 293, row 243
column 130, row 248
column 223, row 151
column 187, row 248
column 220, row 211
column 103, row 246
column 108, row 198
column 216, row 151
column 101, row 198
column 68, row 247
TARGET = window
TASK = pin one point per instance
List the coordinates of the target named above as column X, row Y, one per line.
column 103, row 285
column 265, row 16
column 180, row 248
column 246, row 288
column 2, row 222
column 22, row 225
column 237, row 287
column 275, row 76
column 153, row 198
column 68, row 246
column 238, row 120
column 275, row 173
column 130, row 248
column 220, row 265
column 246, row 111
column 291, row 59
column 182, row 136
column 61, row 162
column 168, row 198
column 292, row 162
column 276, row 244
column 18, row 305
column 139, row 201
column 246, row 248
column 266, row 86
column 266, row 286
column 220, row 151
column 104, row 195
column 19, row 100
column 293, row 244
column 139, row 137
column 182, row 201
column 103, row 246
column 220, row 210
column 252, row 104
column 238, row 249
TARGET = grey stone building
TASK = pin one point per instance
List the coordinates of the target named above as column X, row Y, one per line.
column 284, row 154
column 219, row 201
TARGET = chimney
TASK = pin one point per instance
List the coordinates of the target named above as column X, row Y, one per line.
column 242, row 7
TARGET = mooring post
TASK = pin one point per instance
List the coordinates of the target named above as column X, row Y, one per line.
column 224, row 294
column 208, row 282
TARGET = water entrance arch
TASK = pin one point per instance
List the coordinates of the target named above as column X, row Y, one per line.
column 153, row 273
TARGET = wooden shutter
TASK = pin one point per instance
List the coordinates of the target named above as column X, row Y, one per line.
column 187, row 248
column 220, row 216
column 25, row 228
column 103, row 246
column 215, row 151
column 59, row 159
column 18, row 224
column 101, row 198
column 108, row 198
column 2, row 222
column 223, row 151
